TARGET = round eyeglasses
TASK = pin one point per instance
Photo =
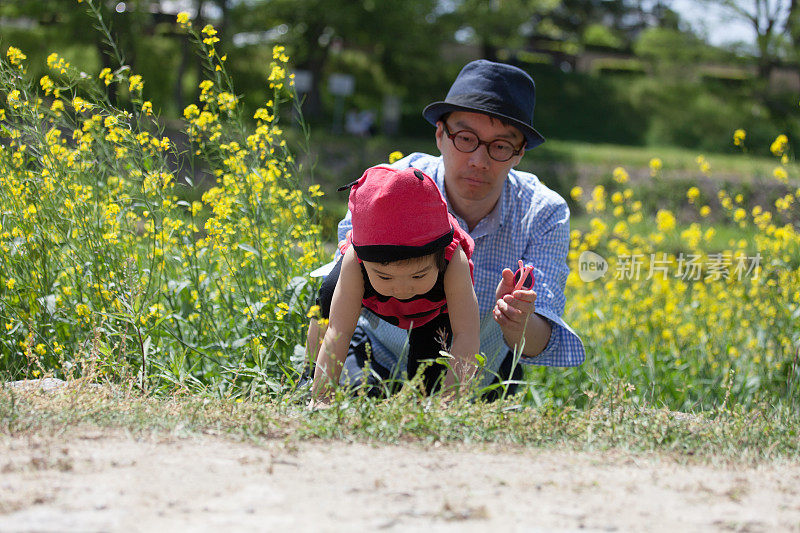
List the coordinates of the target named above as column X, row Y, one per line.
column 467, row 142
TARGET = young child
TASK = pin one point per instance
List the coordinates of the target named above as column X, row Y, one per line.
column 408, row 261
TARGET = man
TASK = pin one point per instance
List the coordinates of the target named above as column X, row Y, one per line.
column 483, row 128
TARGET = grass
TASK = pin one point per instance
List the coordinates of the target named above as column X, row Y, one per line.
column 676, row 160
column 560, row 165
column 338, row 158
column 616, row 418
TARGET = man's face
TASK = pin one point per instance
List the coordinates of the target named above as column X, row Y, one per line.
column 474, row 180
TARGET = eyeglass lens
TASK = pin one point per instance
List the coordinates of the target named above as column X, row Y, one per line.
column 466, row 141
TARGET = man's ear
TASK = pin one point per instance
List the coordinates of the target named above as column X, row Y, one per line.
column 517, row 158
column 439, row 134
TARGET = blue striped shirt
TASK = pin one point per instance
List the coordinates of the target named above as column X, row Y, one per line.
column 529, row 222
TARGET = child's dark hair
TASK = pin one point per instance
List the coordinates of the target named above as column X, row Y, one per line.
column 438, row 260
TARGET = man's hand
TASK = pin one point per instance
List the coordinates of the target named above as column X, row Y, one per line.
column 514, row 305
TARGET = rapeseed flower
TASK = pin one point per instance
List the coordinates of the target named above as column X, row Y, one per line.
column 15, row 56
column 665, row 220
column 655, row 166
column 779, row 145
column 106, row 76
column 135, row 83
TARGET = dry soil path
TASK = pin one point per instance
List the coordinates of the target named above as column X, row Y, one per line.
column 101, row 480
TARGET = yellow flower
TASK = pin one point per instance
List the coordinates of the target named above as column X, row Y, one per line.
column 655, row 166
column 57, row 63
column 80, row 104
column 13, row 99
column 10, row 282
column 263, row 114
column 191, row 111
column 47, row 84
column 780, row 174
column 147, row 108
column 40, row 349
column 779, row 145
column 395, row 156
column 620, row 175
column 57, row 107
column 738, row 137
column 210, row 33
column 282, row 310
column 183, row 19
column 106, row 76
column 276, row 76
column 136, row 83
column 704, row 165
column 15, row 56
column 226, row 101
column 575, row 193
column 692, row 194
column 665, row 220
column 277, row 53
column 206, row 85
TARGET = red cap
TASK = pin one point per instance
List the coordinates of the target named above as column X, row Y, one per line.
column 397, row 214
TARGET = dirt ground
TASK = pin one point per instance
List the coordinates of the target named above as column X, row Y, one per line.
column 103, row 480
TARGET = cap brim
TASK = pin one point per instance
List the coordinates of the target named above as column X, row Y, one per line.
column 434, row 112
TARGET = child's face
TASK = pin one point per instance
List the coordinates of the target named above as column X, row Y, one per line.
column 404, row 279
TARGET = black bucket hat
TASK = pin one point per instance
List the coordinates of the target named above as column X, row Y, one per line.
column 495, row 89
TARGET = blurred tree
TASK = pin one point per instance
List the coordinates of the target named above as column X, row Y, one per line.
column 670, row 48
column 496, row 24
column 793, row 30
column 45, row 26
column 576, row 17
column 401, row 40
column 770, row 20
column 610, row 23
